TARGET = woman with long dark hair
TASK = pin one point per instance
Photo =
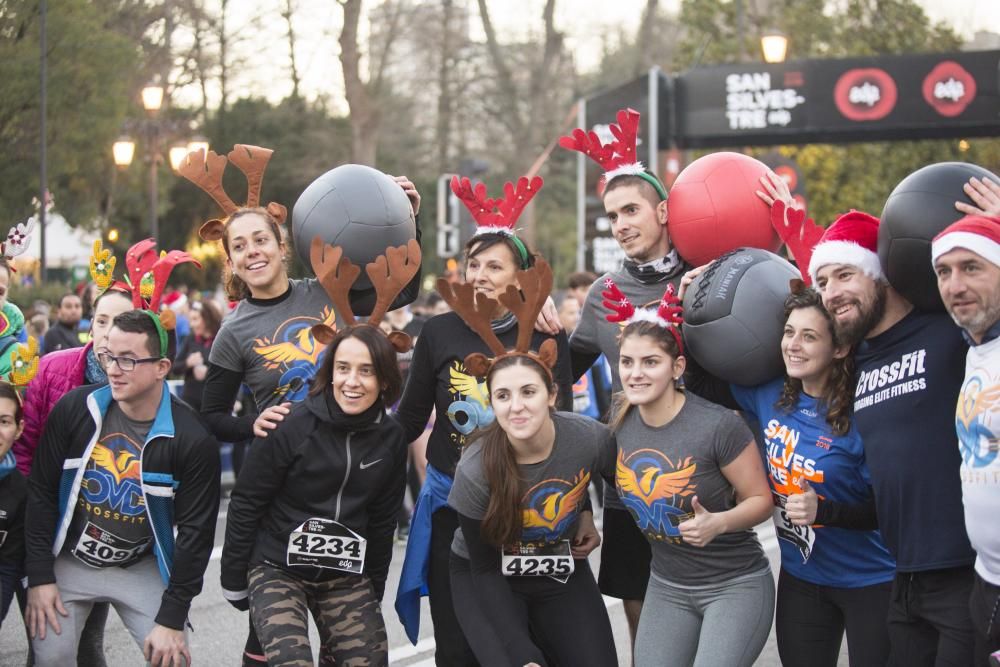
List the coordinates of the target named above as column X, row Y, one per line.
column 521, row 591
column 439, row 380
column 836, row 573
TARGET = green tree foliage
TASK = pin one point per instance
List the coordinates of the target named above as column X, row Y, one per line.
column 89, row 69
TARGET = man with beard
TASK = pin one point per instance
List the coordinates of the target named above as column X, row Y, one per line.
column 909, row 372
column 966, row 259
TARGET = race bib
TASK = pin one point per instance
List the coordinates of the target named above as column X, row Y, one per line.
column 327, row 544
column 530, row 560
column 802, row 537
column 100, row 548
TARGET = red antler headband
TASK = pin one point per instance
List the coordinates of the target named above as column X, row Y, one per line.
column 497, row 216
column 617, row 158
column 667, row 314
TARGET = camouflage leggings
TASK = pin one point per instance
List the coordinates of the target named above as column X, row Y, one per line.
column 347, row 615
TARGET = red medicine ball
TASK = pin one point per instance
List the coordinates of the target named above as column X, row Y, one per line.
column 713, row 208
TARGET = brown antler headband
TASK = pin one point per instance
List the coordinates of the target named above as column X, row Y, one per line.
column 477, row 310
column 205, row 170
column 389, row 274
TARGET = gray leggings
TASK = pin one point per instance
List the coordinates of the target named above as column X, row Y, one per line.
column 705, row 626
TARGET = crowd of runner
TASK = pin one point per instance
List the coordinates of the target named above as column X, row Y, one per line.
column 876, row 453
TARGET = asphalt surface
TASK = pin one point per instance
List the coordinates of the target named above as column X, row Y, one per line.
column 220, row 630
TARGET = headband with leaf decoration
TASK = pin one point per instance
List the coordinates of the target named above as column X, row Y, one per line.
column 617, row 158
column 23, row 364
column 477, row 310
column 390, row 273
column 205, row 171
column 498, row 216
column 668, row 313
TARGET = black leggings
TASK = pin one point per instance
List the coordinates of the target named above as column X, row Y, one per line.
column 566, row 622
column 811, row 620
column 451, row 648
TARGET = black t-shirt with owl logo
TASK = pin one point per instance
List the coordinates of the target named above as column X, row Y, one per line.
column 438, row 380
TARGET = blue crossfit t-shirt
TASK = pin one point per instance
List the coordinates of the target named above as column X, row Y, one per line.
column 800, row 445
column 909, row 378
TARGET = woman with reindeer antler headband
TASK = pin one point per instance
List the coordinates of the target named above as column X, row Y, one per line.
column 495, row 259
column 266, row 342
column 312, row 518
column 689, row 473
column 522, row 588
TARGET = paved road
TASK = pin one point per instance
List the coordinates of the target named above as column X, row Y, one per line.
column 220, row 630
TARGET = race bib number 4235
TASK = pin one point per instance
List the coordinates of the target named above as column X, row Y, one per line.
column 529, row 560
column 327, row 544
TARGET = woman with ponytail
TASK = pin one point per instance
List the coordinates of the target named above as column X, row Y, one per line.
column 689, row 473
column 521, row 584
column 265, row 342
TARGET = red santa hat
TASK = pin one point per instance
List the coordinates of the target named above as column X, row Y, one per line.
column 851, row 239
column 977, row 233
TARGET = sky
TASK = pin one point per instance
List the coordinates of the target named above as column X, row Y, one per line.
column 585, row 22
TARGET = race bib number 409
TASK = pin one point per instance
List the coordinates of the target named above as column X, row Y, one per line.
column 327, row 544
column 528, row 560
column 100, row 548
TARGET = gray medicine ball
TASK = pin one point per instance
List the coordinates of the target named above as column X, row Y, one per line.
column 357, row 208
column 734, row 316
column 919, row 209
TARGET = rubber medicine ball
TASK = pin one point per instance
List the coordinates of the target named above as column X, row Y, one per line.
column 357, row 208
column 713, row 208
column 734, row 316
column 918, row 209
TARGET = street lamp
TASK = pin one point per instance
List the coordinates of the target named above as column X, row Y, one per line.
column 774, row 44
column 154, row 130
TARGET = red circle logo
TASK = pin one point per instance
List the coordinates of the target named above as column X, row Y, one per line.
column 865, row 94
column 949, row 88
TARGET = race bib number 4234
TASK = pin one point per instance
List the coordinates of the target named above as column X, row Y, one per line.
column 529, row 560
column 328, row 544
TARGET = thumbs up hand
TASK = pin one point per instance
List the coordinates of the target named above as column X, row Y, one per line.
column 703, row 527
column 801, row 507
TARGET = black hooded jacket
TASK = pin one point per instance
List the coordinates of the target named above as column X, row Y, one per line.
column 316, row 464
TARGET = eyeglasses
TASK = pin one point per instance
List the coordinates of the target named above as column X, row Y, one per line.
column 127, row 364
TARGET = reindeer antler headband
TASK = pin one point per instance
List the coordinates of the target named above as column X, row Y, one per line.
column 205, row 171
column 477, row 310
column 617, row 158
column 668, row 313
column 497, row 216
column 389, row 274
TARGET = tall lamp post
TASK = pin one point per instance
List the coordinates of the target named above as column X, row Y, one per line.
column 154, row 131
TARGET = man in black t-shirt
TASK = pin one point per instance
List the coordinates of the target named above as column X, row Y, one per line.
column 909, row 373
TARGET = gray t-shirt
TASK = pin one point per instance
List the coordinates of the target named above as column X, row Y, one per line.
column 272, row 346
column 594, row 334
column 659, row 470
column 109, row 525
column 553, row 491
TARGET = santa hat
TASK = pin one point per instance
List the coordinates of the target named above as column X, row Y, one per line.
column 851, row 239
column 175, row 300
column 977, row 233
